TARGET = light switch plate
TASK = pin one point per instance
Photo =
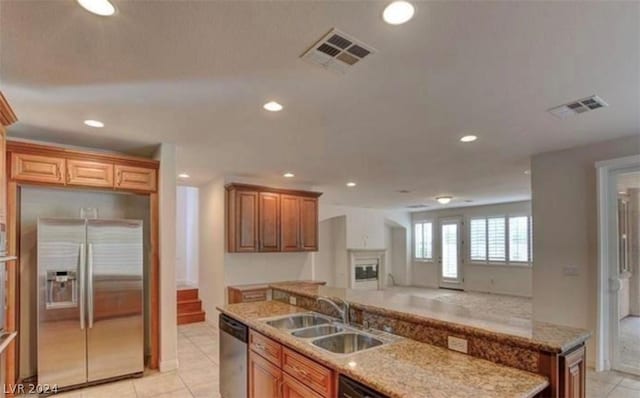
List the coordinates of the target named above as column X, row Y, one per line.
column 292, row 300
column 457, row 344
column 571, row 270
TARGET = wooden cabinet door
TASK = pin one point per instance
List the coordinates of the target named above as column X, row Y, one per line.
column 88, row 173
column 309, row 224
column 264, row 378
column 243, row 225
column 290, row 223
column 573, row 374
column 3, row 176
column 269, row 223
column 36, row 168
column 136, row 178
column 292, row 388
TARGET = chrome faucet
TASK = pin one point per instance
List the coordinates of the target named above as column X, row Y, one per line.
column 344, row 312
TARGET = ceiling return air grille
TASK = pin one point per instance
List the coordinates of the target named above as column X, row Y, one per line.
column 580, row 106
column 338, row 52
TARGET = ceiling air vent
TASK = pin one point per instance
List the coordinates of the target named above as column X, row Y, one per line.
column 417, row 206
column 576, row 107
column 338, row 52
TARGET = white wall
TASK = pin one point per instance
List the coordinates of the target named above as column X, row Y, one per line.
column 187, row 240
column 64, row 203
column 367, row 229
column 212, row 246
column 166, row 153
column 564, row 209
column 493, row 278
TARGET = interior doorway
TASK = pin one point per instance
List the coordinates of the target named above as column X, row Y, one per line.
column 619, row 265
column 627, row 339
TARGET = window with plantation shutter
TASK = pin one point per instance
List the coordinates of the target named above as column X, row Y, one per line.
column 423, row 241
column 519, row 239
column 478, row 238
column 496, row 239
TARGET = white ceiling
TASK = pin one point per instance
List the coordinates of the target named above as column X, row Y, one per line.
column 197, row 73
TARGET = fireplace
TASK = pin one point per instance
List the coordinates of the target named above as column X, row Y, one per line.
column 366, row 269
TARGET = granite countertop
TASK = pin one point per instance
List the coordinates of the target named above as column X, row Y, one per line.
column 258, row 286
column 402, row 368
column 540, row 336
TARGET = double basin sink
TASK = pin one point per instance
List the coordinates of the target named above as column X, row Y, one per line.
column 323, row 332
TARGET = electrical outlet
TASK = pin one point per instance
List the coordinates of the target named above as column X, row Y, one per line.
column 457, row 344
column 292, row 300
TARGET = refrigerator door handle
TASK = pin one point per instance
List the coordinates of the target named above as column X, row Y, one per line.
column 82, row 282
column 90, row 284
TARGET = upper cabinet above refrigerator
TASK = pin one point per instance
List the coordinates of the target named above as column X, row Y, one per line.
column 262, row 219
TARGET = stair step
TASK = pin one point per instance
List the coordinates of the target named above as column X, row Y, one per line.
column 187, row 294
column 190, row 317
column 186, row 306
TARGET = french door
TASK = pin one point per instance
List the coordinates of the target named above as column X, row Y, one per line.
column 450, row 259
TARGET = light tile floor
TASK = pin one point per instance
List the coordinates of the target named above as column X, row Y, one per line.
column 630, row 341
column 197, row 377
column 612, row 384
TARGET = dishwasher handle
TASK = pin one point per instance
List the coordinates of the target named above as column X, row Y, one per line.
column 233, row 327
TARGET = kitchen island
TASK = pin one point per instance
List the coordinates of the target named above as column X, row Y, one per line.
column 554, row 351
column 400, row 368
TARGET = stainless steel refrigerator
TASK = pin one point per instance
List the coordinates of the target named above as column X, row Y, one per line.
column 90, row 300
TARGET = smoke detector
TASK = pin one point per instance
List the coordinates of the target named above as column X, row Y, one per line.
column 338, row 52
column 576, row 107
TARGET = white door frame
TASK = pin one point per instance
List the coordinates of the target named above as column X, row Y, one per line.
column 443, row 282
column 608, row 282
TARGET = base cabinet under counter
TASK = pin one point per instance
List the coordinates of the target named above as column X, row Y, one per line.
column 278, row 372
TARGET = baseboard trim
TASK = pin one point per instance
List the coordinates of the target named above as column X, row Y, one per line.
column 169, row 365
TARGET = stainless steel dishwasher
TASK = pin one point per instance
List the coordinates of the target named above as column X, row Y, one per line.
column 233, row 357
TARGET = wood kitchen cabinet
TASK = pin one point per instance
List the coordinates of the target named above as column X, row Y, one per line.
column 242, row 232
column 309, row 224
column 269, row 222
column 264, row 378
column 3, row 176
column 262, row 219
column 290, row 231
column 292, row 388
column 136, row 178
column 573, row 374
column 37, row 168
column 89, row 173
column 276, row 371
column 47, row 165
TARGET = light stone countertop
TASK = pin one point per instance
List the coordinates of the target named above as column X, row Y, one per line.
column 540, row 336
column 404, row 368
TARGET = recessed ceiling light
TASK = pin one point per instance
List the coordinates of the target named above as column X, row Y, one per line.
column 288, row 175
column 398, row 12
column 468, row 138
column 94, row 123
column 622, row 192
column 183, row 175
column 351, row 184
column 527, row 172
column 272, row 106
column 98, row 7
column 443, row 200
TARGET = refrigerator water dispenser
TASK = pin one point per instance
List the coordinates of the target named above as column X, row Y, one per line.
column 62, row 289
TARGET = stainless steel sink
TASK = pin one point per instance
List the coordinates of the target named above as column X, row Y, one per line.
column 346, row 343
column 298, row 321
column 316, row 331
